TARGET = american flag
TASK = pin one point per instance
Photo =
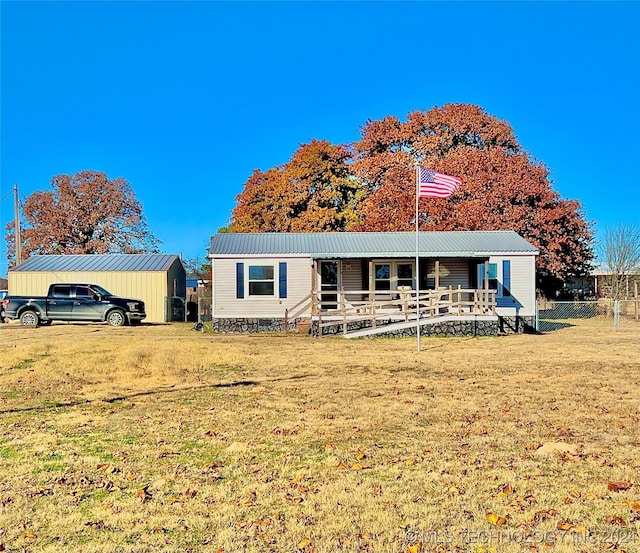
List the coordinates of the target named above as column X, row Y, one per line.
column 432, row 184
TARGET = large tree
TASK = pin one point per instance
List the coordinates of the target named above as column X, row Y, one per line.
column 370, row 186
column 314, row 191
column 84, row 213
column 503, row 187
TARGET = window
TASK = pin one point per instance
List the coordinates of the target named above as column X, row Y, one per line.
column 391, row 275
column 493, row 276
column 83, row 292
column 61, row 291
column 501, row 282
column 382, row 272
column 261, row 280
column 405, row 274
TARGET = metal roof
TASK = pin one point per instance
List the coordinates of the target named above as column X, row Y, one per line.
column 371, row 244
column 95, row 262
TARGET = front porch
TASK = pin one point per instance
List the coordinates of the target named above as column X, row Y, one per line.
column 367, row 312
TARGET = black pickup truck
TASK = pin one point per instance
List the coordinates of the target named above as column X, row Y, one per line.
column 74, row 302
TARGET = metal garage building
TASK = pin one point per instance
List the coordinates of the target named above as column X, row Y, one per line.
column 152, row 278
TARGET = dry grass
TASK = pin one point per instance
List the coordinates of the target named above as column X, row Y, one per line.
column 159, row 438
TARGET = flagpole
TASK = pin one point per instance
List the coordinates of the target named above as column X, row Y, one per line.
column 417, row 260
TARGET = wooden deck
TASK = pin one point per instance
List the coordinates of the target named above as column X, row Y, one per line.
column 379, row 310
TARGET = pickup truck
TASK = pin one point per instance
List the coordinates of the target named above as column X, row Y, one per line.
column 74, row 302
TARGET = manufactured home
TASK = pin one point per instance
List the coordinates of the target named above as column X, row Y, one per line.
column 357, row 284
column 157, row 279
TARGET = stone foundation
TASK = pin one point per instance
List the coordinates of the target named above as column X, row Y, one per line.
column 244, row 325
column 517, row 325
column 447, row 329
column 504, row 325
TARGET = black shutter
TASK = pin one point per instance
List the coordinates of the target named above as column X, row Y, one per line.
column 283, row 280
column 240, row 280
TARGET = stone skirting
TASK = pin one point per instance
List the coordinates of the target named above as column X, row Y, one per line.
column 244, row 325
column 517, row 325
column 462, row 327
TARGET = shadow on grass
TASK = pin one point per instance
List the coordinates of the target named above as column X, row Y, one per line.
column 157, row 391
column 549, row 326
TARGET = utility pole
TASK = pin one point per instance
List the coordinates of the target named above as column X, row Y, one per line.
column 16, row 211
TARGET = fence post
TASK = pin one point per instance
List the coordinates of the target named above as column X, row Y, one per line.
column 537, row 315
column 616, row 314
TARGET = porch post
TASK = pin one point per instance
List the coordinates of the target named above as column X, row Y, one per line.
column 314, row 275
column 485, row 302
column 437, row 270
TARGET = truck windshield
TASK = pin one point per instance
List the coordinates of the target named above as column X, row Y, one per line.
column 101, row 290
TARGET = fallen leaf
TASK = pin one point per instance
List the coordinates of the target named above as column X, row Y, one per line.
column 634, row 505
column 564, row 525
column 415, row 548
column 615, row 521
column 619, row 486
column 496, row 519
column 541, row 516
column 580, row 529
column 143, row 494
column 250, row 499
column 505, row 489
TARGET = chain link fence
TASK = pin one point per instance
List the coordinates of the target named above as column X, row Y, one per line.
column 553, row 315
column 202, row 315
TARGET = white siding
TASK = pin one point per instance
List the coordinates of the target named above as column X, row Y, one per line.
column 225, row 303
column 523, row 286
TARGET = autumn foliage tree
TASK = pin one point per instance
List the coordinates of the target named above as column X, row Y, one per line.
column 370, row 186
column 503, row 187
column 82, row 214
column 314, row 191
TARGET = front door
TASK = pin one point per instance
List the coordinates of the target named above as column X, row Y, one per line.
column 328, row 285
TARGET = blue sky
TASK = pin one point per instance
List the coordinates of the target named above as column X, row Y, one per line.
column 185, row 99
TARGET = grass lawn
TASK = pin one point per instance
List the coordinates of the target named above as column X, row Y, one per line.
column 162, row 439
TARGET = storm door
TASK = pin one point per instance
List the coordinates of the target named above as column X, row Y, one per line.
column 328, row 285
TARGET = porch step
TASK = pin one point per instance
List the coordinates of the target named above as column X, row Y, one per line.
column 381, row 329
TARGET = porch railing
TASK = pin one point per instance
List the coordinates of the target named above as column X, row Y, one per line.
column 336, row 307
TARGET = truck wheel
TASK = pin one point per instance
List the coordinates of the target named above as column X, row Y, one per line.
column 116, row 318
column 29, row 318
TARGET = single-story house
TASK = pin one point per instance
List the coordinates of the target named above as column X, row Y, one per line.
column 157, row 279
column 359, row 283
